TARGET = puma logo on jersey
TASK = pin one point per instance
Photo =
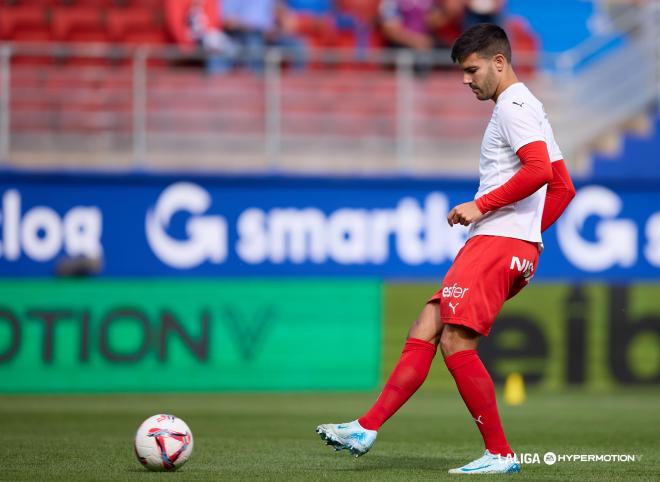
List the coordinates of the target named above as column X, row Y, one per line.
column 453, row 307
column 478, row 420
column 519, row 104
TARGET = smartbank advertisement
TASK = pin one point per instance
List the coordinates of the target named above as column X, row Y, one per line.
column 242, row 226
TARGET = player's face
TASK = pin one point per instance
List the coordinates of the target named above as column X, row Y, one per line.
column 480, row 75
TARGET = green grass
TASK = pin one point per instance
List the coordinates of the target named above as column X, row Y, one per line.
column 271, row 436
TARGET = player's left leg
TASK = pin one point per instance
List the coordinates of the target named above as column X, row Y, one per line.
column 458, row 345
column 408, row 375
column 411, row 370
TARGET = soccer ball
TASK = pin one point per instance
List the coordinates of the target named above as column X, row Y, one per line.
column 163, row 442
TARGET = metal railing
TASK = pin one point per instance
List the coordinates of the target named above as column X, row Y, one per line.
column 325, row 118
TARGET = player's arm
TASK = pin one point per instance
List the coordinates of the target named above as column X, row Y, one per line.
column 560, row 192
column 536, row 171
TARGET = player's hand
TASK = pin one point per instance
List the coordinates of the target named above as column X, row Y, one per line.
column 465, row 214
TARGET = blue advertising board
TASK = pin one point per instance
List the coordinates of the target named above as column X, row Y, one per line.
column 174, row 226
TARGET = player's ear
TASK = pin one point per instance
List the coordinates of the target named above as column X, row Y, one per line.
column 500, row 62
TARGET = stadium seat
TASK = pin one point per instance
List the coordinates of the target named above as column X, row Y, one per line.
column 154, row 5
column 79, row 3
column 30, row 3
column 319, row 30
column 136, row 25
column 24, row 23
column 79, row 24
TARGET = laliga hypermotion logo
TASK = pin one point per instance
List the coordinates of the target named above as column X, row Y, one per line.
column 206, row 235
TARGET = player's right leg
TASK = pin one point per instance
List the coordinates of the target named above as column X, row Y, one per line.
column 473, row 292
column 408, row 375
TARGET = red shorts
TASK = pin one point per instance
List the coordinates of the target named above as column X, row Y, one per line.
column 487, row 271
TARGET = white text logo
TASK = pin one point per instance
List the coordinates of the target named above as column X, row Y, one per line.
column 454, row 291
column 616, row 239
column 41, row 233
column 350, row 236
column 207, row 235
column 525, row 266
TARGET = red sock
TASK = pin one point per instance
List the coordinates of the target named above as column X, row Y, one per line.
column 476, row 388
column 408, row 375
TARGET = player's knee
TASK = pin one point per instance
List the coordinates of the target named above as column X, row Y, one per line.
column 457, row 338
column 448, row 342
column 428, row 326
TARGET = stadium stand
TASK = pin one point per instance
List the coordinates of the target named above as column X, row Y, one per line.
column 90, row 112
column 83, row 21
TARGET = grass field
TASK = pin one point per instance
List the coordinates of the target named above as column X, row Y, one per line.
column 271, row 436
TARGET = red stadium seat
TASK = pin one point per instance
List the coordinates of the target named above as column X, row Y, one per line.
column 319, row 30
column 30, row 3
column 24, row 23
column 90, row 3
column 155, row 5
column 79, row 24
column 136, row 25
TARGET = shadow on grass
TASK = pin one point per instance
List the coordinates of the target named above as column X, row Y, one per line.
column 382, row 462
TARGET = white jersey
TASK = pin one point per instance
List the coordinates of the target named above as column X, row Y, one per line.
column 518, row 119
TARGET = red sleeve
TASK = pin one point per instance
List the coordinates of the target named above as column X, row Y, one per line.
column 559, row 194
column 535, row 172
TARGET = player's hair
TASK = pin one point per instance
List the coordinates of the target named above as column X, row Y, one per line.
column 484, row 39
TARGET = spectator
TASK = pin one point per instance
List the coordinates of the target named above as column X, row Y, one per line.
column 414, row 24
column 196, row 23
column 216, row 44
column 256, row 24
column 483, row 11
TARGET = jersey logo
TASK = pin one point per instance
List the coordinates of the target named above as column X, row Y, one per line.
column 526, row 267
column 453, row 307
column 478, row 420
column 454, row 291
column 519, row 104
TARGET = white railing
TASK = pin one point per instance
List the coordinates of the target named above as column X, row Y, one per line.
column 146, row 114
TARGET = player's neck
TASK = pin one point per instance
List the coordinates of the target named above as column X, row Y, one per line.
column 507, row 81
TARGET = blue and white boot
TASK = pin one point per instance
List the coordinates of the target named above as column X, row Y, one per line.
column 350, row 436
column 489, row 464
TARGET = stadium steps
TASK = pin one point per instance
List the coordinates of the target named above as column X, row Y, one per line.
column 636, row 156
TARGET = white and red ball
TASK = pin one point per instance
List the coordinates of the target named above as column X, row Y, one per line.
column 163, row 442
